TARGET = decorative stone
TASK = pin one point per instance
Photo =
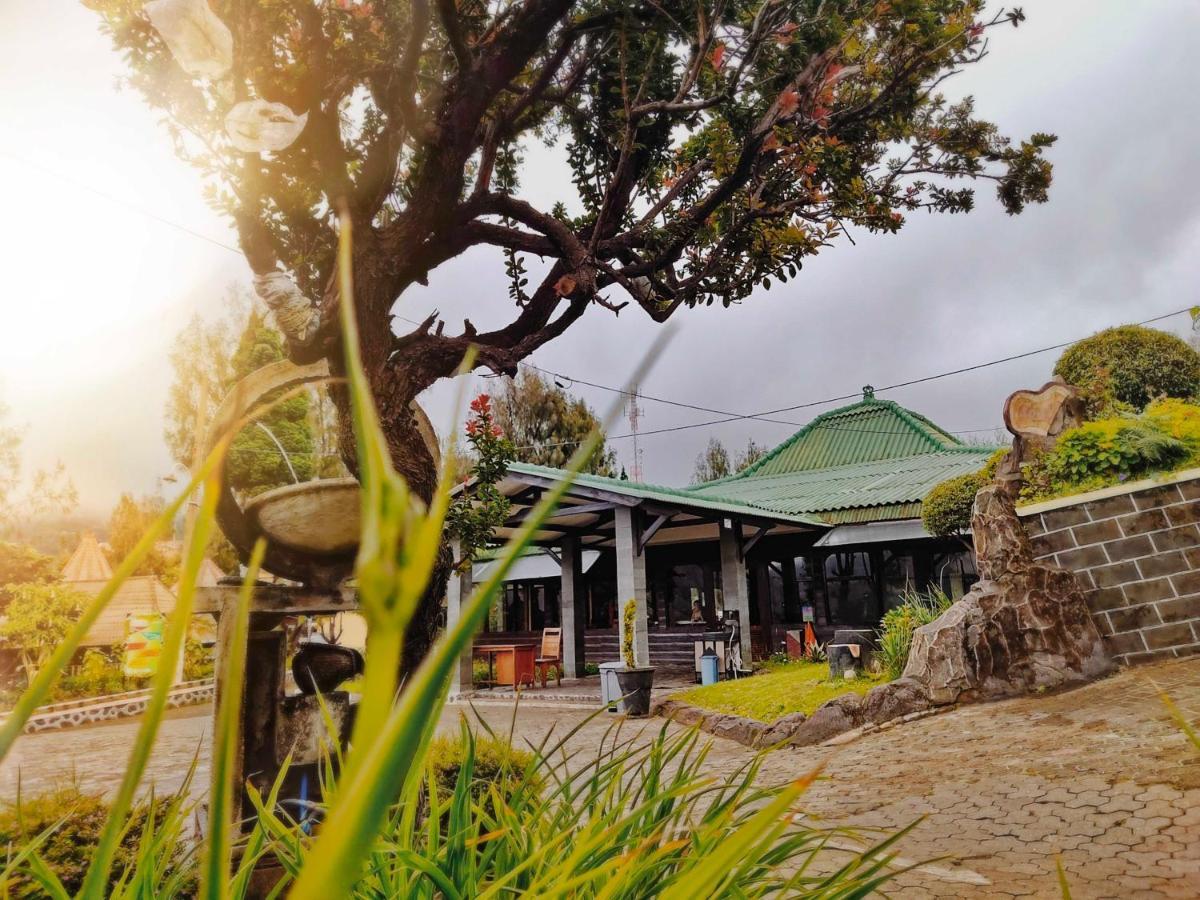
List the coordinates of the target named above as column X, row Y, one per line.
column 838, row 715
column 893, row 700
column 1024, row 627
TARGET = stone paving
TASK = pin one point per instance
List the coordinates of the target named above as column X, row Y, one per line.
column 1099, row 775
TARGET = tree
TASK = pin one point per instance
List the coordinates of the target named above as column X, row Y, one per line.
column 49, row 491
column 37, row 620
column 712, row 148
column 277, row 448
column 546, row 424
column 1130, row 365
column 129, row 520
column 22, row 564
column 714, row 462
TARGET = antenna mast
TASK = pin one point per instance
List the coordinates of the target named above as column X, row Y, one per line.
column 634, row 412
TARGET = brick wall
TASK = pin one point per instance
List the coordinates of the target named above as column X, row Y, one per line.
column 1137, row 551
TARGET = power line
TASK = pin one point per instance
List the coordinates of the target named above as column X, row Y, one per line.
column 104, row 195
column 727, row 416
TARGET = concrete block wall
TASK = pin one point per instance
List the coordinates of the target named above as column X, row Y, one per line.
column 1136, row 548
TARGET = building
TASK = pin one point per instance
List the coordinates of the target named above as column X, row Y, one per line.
column 88, row 571
column 824, row 528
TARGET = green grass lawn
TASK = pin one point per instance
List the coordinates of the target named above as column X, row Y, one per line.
column 794, row 687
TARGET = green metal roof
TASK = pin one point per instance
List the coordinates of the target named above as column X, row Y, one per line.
column 687, row 497
column 870, row 461
column 862, row 432
column 864, row 492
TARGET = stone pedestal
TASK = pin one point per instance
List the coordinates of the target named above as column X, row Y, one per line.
column 1024, row 627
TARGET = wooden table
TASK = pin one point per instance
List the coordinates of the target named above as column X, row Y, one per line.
column 510, row 664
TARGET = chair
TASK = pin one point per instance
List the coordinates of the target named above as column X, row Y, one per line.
column 551, row 655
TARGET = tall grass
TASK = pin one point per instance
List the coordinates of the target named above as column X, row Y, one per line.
column 617, row 817
column 899, row 624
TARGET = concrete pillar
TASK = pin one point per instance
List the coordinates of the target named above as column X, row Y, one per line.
column 733, row 580
column 631, row 582
column 572, row 612
column 458, row 592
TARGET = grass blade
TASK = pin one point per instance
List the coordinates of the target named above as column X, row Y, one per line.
column 95, row 882
column 218, row 851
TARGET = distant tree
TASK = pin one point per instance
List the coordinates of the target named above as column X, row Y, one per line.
column 203, row 372
column 130, row 519
column 37, row 619
column 256, row 462
column 22, row 564
column 208, row 359
column 546, row 424
column 749, row 455
column 714, row 461
column 48, row 492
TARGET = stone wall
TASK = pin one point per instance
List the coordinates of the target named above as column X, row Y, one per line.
column 1136, row 548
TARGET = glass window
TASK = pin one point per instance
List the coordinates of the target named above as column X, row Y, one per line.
column 899, row 578
column 850, row 587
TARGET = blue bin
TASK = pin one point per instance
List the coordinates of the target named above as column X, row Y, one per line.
column 708, row 668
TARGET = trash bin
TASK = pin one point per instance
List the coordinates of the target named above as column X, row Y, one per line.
column 708, row 667
column 610, row 690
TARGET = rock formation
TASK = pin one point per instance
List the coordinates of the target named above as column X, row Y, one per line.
column 1024, row 626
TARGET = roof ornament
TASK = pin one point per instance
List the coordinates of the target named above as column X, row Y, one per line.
column 868, row 392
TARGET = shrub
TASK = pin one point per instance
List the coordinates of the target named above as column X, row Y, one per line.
column 946, row 509
column 495, row 763
column 98, row 674
column 1106, row 451
column 198, row 661
column 896, row 632
column 1130, row 365
column 77, row 819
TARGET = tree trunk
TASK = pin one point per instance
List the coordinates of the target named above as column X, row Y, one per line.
column 412, row 458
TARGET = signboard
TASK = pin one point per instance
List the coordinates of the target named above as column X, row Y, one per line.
column 806, row 614
column 143, row 644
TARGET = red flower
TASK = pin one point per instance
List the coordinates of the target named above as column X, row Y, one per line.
column 497, row 431
column 481, row 404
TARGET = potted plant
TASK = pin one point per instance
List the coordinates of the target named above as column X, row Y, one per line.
column 635, row 681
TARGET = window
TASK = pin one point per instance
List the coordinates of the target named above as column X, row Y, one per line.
column 850, row 588
column 899, row 578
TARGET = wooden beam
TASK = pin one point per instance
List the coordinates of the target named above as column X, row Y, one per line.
column 755, row 538
column 578, row 490
column 650, row 531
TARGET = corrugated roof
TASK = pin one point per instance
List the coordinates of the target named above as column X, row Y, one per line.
column 870, row 461
column 139, row 594
column 677, row 496
column 88, row 562
column 862, row 432
column 879, row 483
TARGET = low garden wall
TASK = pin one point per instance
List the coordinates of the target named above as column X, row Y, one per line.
column 1136, row 548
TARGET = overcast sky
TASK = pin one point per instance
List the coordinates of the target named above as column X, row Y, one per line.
column 94, row 291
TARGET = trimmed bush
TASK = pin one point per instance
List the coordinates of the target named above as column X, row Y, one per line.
column 896, row 631
column 1130, row 365
column 946, row 509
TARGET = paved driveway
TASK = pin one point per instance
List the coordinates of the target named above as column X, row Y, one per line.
column 1099, row 775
